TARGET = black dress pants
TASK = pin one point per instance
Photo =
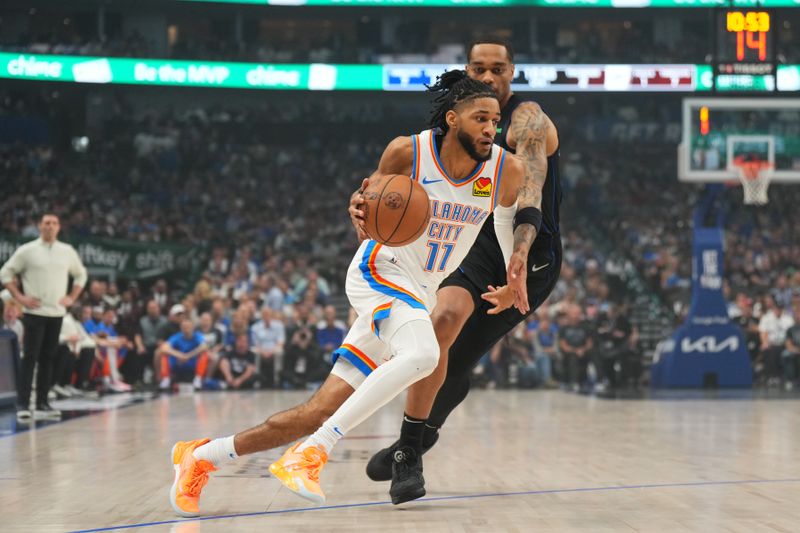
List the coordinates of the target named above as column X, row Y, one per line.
column 40, row 346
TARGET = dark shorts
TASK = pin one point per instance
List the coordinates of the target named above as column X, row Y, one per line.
column 476, row 273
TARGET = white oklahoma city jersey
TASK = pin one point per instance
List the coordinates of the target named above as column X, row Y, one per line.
column 379, row 275
column 458, row 210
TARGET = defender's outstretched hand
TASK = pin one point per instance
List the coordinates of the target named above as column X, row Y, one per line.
column 500, row 297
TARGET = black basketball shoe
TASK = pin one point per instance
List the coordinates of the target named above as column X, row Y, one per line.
column 379, row 467
column 407, row 481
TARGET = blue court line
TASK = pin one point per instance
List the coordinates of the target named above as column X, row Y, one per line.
column 448, row 498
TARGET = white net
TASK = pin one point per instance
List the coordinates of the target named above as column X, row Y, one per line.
column 755, row 179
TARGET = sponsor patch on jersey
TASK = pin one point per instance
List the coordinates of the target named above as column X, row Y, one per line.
column 482, row 187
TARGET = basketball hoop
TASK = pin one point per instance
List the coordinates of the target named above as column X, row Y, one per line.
column 755, row 177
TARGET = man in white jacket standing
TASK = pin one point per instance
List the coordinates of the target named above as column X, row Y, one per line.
column 44, row 267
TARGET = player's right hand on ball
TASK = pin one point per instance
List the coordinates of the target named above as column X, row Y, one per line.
column 356, row 213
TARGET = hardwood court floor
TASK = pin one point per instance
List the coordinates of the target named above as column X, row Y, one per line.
column 508, row 461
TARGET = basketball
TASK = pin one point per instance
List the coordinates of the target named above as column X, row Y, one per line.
column 396, row 210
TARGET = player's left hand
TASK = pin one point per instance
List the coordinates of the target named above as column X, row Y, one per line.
column 517, row 276
column 66, row 301
column 500, row 297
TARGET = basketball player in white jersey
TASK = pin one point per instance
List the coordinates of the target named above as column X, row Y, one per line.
column 479, row 319
column 392, row 343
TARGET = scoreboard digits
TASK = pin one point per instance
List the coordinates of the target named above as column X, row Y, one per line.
column 752, row 31
column 744, row 56
column 753, row 21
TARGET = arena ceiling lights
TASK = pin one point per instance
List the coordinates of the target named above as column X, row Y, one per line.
column 396, row 77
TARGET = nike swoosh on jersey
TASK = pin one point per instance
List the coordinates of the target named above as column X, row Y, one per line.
column 426, row 181
column 535, row 268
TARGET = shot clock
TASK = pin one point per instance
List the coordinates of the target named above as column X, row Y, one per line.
column 745, row 51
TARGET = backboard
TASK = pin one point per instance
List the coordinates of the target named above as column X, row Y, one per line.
column 717, row 131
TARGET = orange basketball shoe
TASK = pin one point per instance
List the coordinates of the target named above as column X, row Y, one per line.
column 191, row 475
column 299, row 471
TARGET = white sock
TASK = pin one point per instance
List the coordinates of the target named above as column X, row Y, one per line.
column 327, row 436
column 416, row 354
column 217, row 452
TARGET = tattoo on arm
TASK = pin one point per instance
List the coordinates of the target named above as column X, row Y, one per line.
column 529, row 128
column 524, row 236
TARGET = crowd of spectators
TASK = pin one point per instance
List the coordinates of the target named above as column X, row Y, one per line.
column 198, row 177
column 240, row 329
column 343, row 51
column 115, row 340
column 278, row 248
column 650, row 219
column 416, row 39
column 581, row 338
column 272, row 268
column 129, row 45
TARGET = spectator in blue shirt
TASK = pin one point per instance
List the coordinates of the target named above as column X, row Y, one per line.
column 543, row 342
column 96, row 317
column 184, row 354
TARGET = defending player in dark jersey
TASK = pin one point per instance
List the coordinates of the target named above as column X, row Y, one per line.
column 527, row 131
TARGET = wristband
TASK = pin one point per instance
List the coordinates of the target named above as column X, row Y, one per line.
column 528, row 215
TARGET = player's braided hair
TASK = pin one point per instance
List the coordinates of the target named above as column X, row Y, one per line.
column 452, row 88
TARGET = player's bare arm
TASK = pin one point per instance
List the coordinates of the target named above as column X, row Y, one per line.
column 398, row 158
column 534, row 137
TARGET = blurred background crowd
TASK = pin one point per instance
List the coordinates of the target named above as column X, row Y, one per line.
column 258, row 186
column 377, row 35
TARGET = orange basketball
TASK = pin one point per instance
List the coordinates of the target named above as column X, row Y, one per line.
column 396, row 209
